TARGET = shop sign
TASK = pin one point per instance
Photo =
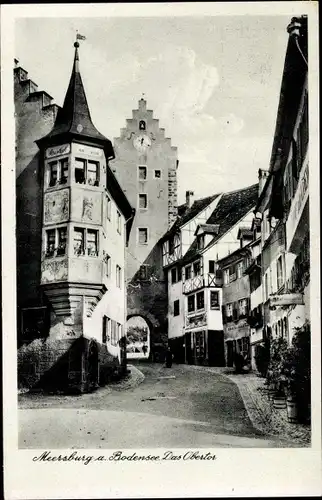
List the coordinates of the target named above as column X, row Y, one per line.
column 195, row 321
column 57, row 150
column 87, row 150
column 286, row 299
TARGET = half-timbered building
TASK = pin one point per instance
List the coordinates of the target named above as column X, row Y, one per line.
column 195, row 327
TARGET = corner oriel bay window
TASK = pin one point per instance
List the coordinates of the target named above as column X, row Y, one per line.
column 79, row 241
column 91, row 242
column 53, row 173
column 80, row 171
column 86, row 171
column 50, row 242
column 92, row 173
column 85, row 242
column 56, row 240
column 62, row 239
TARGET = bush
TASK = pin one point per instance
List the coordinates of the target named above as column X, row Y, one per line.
column 275, row 373
column 297, row 368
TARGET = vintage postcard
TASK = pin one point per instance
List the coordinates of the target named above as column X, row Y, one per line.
column 160, row 194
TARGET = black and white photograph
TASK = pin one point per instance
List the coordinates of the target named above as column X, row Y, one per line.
column 163, row 241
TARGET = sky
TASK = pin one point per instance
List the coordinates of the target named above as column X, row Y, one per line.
column 213, row 82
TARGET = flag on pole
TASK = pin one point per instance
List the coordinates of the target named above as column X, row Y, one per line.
column 80, row 37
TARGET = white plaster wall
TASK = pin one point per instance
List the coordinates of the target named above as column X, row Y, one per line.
column 256, row 297
column 113, row 303
column 214, row 316
column 175, row 323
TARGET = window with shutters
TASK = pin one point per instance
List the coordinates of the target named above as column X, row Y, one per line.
column 226, row 276
column 242, row 308
column 229, row 312
column 239, row 269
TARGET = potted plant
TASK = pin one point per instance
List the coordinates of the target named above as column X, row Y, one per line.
column 275, row 374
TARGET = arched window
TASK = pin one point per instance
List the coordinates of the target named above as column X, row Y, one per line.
column 142, row 125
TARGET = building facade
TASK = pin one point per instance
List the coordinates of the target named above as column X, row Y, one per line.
column 146, row 165
column 236, row 304
column 191, row 251
column 72, row 275
column 284, row 202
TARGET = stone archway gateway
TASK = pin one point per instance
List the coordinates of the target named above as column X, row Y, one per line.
column 138, row 334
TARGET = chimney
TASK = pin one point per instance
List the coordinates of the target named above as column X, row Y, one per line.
column 262, row 176
column 189, row 198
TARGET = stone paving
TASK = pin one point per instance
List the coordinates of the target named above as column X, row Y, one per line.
column 134, row 378
column 260, row 409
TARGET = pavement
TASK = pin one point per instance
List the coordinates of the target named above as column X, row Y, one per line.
column 263, row 415
column 154, row 407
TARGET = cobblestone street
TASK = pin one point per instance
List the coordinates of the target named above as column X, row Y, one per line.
column 154, row 407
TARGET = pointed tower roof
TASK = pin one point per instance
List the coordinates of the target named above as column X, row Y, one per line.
column 74, row 118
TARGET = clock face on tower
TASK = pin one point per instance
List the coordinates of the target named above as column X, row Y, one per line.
column 142, row 142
